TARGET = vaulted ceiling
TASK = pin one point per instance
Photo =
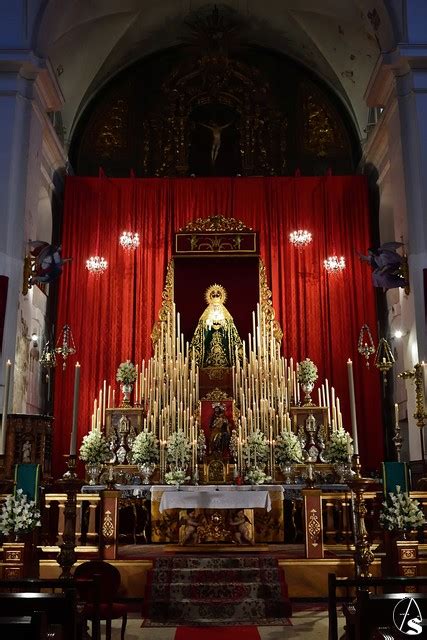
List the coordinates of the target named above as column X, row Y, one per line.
column 88, row 41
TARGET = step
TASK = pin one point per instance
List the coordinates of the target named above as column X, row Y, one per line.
column 236, row 591
column 215, row 562
column 227, row 609
column 210, row 576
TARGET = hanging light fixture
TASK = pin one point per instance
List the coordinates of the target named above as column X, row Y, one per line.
column 129, row 240
column 365, row 344
column 48, row 356
column 65, row 346
column 333, row 264
column 96, row 264
column 384, row 358
column 300, row 238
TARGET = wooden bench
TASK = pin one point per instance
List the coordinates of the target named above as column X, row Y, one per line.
column 66, row 599
column 24, row 627
column 361, row 606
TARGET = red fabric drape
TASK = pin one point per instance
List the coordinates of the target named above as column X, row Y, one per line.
column 112, row 315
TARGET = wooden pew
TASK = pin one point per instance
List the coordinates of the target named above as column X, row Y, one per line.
column 59, row 608
column 24, row 627
column 353, row 587
column 38, row 587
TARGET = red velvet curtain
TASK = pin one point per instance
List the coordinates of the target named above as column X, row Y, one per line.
column 112, row 315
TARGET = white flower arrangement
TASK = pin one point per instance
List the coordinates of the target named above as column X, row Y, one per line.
column 288, row 448
column 126, row 373
column 307, row 372
column 94, row 448
column 256, row 476
column 256, row 448
column 178, row 449
column 401, row 512
column 19, row 514
column 339, row 447
column 145, row 448
column 176, row 476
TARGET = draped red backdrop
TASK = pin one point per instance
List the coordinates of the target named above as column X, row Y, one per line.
column 112, row 315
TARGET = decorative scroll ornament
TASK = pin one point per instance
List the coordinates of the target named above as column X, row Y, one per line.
column 65, row 346
column 384, row 358
column 314, row 527
column 267, row 305
column 215, row 223
column 108, row 527
column 365, row 344
column 167, row 304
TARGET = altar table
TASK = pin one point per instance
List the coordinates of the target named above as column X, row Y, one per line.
column 215, row 498
column 265, row 503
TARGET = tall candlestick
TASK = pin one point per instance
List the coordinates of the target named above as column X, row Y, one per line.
column 73, row 437
column 8, row 369
column 352, row 406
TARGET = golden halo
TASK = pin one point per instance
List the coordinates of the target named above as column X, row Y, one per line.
column 215, row 293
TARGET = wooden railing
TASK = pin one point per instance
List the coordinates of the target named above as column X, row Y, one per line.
column 326, row 520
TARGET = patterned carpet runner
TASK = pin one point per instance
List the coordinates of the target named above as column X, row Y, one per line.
column 218, row 590
column 216, row 633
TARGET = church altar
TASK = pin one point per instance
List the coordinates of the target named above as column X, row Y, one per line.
column 215, row 497
column 216, row 511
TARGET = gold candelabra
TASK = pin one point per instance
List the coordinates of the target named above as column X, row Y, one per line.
column 363, row 556
column 420, row 414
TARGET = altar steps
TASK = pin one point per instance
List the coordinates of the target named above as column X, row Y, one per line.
column 207, row 590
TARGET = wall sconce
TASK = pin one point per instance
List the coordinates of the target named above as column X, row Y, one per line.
column 35, row 339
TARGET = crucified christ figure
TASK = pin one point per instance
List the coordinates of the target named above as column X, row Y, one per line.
column 216, row 137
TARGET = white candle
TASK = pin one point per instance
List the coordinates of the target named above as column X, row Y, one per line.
column 8, row 369
column 73, row 437
column 396, row 414
column 352, row 405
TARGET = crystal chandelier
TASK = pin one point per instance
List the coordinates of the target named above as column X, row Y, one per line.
column 129, row 240
column 333, row 264
column 300, row 238
column 95, row 264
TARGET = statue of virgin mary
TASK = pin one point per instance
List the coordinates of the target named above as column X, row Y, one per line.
column 216, row 339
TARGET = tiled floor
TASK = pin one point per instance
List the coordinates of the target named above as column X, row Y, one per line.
column 310, row 624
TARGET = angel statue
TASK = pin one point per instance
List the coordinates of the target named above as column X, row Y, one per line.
column 216, row 340
column 47, row 262
column 387, row 265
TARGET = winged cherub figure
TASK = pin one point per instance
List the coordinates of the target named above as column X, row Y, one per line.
column 48, row 262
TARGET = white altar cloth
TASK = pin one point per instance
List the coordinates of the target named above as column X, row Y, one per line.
column 214, row 497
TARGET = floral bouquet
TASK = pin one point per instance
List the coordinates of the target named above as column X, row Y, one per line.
column 401, row 512
column 94, row 448
column 256, row 449
column 176, row 476
column 126, row 373
column 19, row 514
column 178, row 449
column 339, row 447
column 256, row 476
column 288, row 448
column 145, row 448
column 307, row 372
